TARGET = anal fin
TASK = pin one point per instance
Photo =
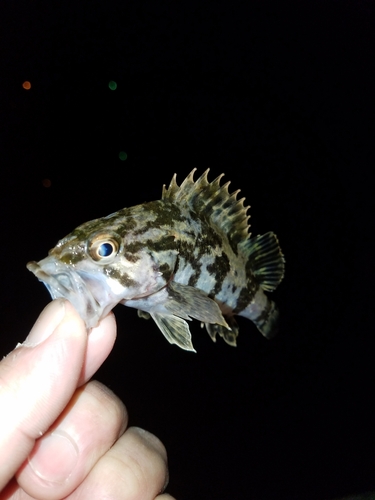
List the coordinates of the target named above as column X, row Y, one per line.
column 143, row 314
column 230, row 336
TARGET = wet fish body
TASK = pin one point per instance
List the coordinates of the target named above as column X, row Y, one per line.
column 188, row 255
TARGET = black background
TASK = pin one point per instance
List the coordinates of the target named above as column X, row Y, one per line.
column 280, row 97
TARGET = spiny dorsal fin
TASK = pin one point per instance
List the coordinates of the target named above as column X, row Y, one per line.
column 214, row 201
column 265, row 260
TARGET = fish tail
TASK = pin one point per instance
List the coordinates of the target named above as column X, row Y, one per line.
column 265, row 265
column 264, row 313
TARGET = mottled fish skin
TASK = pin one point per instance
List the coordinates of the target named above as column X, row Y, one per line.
column 188, row 255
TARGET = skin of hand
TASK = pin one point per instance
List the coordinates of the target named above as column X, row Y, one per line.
column 63, row 436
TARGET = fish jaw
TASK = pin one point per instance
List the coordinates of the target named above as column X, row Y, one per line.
column 90, row 293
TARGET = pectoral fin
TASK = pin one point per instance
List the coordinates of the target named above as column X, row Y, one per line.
column 175, row 330
column 188, row 302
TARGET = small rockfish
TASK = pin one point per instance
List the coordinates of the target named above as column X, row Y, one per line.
column 188, row 255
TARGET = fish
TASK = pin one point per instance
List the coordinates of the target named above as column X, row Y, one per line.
column 189, row 255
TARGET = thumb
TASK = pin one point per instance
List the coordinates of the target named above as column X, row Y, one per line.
column 38, row 379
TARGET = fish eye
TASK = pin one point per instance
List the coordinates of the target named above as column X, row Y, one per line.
column 103, row 248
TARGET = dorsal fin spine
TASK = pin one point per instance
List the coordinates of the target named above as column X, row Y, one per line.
column 210, row 199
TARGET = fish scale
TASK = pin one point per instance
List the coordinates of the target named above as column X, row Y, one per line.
column 188, row 255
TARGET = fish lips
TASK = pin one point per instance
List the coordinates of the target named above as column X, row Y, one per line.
column 63, row 281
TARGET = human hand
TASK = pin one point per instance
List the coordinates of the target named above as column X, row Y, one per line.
column 62, row 436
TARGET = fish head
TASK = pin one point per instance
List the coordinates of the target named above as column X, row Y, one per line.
column 93, row 269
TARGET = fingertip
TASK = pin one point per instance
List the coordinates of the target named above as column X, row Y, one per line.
column 105, row 331
column 108, row 324
column 101, row 340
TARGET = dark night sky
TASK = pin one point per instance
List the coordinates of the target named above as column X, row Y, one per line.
column 281, row 99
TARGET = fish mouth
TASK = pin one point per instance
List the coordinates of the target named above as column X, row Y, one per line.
column 63, row 281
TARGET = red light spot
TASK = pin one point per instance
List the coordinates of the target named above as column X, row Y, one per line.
column 26, row 85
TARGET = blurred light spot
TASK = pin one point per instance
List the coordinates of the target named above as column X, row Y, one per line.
column 112, row 85
column 26, row 85
column 46, row 183
column 122, row 155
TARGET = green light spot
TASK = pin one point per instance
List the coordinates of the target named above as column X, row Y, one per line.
column 122, row 155
column 112, row 85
